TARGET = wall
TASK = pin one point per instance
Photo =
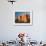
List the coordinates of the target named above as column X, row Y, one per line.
column 9, row 31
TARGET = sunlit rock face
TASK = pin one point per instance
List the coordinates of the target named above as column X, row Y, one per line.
column 23, row 18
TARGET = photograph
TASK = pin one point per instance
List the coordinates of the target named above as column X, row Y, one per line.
column 23, row 18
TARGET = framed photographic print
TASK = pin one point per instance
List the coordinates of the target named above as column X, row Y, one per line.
column 23, row 18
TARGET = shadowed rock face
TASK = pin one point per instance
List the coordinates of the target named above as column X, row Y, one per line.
column 4, row 44
column 44, row 45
